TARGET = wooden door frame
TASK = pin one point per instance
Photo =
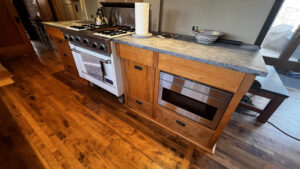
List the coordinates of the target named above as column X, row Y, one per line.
column 12, row 51
column 283, row 62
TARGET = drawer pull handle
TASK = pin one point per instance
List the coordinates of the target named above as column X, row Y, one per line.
column 180, row 123
column 139, row 102
column 65, row 54
column 138, row 67
column 60, row 41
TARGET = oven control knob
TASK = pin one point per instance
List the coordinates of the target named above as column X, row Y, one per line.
column 102, row 47
column 94, row 45
column 85, row 41
column 77, row 39
column 66, row 37
column 71, row 38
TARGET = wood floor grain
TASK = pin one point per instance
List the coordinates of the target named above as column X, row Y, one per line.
column 65, row 124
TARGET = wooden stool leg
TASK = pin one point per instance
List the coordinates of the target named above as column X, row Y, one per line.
column 270, row 109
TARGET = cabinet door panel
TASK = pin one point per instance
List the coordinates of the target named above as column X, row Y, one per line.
column 66, row 56
column 14, row 40
column 140, row 105
column 140, row 80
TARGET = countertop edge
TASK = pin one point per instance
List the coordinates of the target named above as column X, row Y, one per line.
column 52, row 25
column 232, row 67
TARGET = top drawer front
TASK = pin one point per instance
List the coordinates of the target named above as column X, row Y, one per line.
column 221, row 78
column 55, row 32
column 62, row 45
column 138, row 55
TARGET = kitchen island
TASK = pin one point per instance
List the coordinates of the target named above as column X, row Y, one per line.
column 224, row 69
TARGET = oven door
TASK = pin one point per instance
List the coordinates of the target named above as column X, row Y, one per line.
column 191, row 104
column 96, row 68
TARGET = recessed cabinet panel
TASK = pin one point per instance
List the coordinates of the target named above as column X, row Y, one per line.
column 66, row 56
column 139, row 80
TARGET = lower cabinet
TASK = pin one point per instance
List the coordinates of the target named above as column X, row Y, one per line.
column 141, row 70
column 65, row 52
column 139, row 85
column 66, row 56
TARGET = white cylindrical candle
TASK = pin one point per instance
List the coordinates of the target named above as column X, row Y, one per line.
column 141, row 18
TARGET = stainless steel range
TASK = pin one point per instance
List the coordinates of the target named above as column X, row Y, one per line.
column 95, row 54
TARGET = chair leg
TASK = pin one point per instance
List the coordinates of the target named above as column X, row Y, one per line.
column 270, row 109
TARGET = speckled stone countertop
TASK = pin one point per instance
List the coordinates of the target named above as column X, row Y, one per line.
column 64, row 24
column 244, row 58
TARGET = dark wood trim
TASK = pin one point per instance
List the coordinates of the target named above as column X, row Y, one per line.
column 265, row 28
column 250, row 107
column 270, row 109
column 243, row 89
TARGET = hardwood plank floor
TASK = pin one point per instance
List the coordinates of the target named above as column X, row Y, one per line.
column 64, row 124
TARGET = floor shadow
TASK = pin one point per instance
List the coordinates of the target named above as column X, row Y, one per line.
column 15, row 151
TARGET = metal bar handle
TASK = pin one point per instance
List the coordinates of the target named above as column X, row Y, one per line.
column 75, row 50
column 105, row 61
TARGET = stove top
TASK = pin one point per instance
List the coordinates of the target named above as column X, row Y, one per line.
column 104, row 30
column 95, row 37
column 114, row 31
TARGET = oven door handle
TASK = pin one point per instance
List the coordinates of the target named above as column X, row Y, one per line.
column 105, row 61
column 75, row 50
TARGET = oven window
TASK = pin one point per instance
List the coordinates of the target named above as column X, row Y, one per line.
column 189, row 104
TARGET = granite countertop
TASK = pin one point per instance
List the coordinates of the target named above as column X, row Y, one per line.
column 244, row 58
column 64, row 24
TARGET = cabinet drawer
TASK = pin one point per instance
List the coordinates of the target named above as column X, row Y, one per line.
column 54, row 32
column 139, row 105
column 138, row 55
column 69, row 63
column 184, row 127
column 218, row 77
column 62, row 45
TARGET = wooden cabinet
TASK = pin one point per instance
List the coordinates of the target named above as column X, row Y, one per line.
column 138, row 77
column 141, row 70
column 45, row 10
column 13, row 38
column 65, row 52
column 139, row 85
column 64, row 10
column 66, row 56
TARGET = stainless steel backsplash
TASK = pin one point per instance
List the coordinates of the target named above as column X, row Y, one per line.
column 119, row 16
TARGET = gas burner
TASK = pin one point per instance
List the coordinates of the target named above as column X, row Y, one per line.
column 86, row 27
column 115, row 32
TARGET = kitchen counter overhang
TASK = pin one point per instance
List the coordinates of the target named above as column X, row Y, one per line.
column 245, row 58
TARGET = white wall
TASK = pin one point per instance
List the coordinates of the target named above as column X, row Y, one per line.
column 91, row 8
column 154, row 14
column 239, row 19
